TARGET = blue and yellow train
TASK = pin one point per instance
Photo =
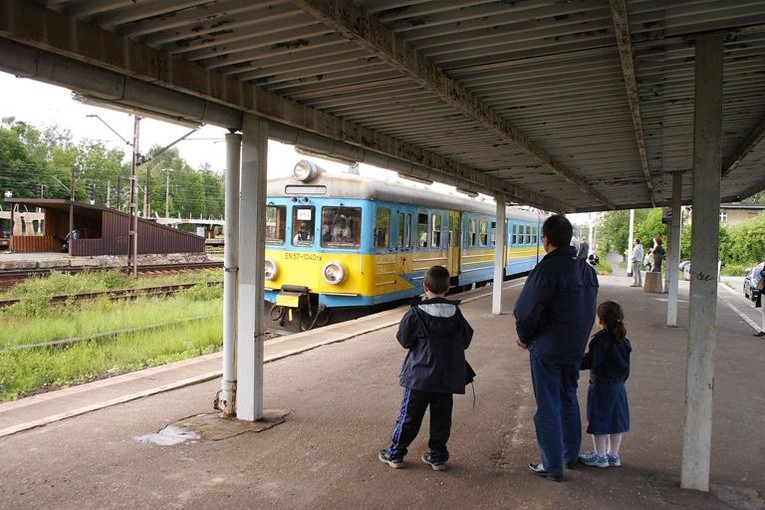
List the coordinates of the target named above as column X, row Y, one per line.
column 343, row 241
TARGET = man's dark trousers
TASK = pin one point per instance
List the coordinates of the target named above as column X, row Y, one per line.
column 557, row 420
column 413, row 408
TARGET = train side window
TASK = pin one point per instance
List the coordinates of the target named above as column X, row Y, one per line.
column 401, row 223
column 382, row 228
column 528, row 234
column 276, row 224
column 493, row 233
column 303, row 225
column 483, row 233
column 435, row 235
column 452, row 223
column 341, row 227
column 422, row 230
column 515, row 235
column 473, row 233
column 534, row 235
column 408, row 231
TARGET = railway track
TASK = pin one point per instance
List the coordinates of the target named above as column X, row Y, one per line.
column 63, row 342
column 10, row 278
column 114, row 295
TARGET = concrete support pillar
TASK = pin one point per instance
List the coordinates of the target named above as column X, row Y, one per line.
column 674, row 243
column 631, row 236
column 499, row 257
column 230, row 273
column 252, row 227
column 704, row 240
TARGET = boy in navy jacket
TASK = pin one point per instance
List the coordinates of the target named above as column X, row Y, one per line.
column 436, row 334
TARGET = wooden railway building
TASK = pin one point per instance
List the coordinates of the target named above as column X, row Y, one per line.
column 88, row 230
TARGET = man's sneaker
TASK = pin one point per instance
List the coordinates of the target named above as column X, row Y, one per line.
column 384, row 456
column 594, row 460
column 570, row 464
column 539, row 470
column 437, row 465
column 614, row 461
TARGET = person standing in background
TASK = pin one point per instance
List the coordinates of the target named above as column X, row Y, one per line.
column 759, row 274
column 658, row 255
column 636, row 260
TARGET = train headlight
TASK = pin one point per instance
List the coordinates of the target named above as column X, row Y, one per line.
column 270, row 269
column 333, row 273
column 305, row 171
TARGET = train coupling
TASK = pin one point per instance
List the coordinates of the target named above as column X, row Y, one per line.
column 290, row 296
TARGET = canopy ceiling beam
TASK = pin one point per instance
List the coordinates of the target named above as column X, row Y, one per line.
column 46, row 30
column 755, row 188
column 353, row 23
column 748, row 144
column 623, row 40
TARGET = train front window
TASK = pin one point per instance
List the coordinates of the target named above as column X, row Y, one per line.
column 303, row 225
column 341, row 227
column 276, row 223
column 382, row 228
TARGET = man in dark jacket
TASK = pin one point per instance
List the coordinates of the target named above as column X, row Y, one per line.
column 436, row 334
column 554, row 316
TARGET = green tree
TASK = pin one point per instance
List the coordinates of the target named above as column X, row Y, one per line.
column 20, row 168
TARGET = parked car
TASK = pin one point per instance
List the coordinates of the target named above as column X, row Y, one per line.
column 750, row 282
column 685, row 268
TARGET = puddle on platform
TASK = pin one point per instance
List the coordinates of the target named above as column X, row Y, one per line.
column 168, row 436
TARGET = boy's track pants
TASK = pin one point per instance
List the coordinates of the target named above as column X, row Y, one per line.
column 413, row 408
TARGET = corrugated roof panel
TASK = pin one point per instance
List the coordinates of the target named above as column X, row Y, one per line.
column 548, row 69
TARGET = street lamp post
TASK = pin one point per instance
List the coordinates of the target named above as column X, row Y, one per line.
column 167, row 193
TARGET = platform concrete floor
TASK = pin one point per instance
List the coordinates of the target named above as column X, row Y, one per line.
column 343, row 399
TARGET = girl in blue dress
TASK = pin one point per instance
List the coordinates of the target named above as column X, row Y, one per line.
column 608, row 360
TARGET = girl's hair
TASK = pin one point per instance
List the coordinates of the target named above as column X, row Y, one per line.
column 611, row 315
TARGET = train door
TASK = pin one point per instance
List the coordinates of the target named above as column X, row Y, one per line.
column 453, row 244
column 404, row 241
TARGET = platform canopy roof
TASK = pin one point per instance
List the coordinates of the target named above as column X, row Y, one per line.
column 571, row 105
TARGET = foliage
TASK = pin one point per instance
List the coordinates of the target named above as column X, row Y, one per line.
column 741, row 245
column 744, row 242
column 614, row 229
column 29, row 155
column 59, row 284
column 603, row 267
column 33, row 370
column 27, row 371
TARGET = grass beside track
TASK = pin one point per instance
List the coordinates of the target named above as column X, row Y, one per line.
column 35, row 320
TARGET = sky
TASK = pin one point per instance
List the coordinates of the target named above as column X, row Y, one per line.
column 40, row 105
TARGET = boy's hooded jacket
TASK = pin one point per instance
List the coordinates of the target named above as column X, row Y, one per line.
column 436, row 334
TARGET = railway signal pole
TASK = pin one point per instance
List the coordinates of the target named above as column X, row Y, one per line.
column 133, row 219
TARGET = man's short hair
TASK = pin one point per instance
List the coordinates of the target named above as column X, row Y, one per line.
column 558, row 230
column 437, row 280
column 637, row 240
